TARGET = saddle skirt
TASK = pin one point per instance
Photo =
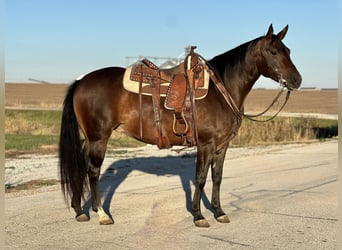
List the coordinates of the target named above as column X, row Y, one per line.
column 146, row 72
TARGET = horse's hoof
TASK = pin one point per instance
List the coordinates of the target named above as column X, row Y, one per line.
column 106, row 221
column 202, row 223
column 82, row 217
column 223, row 219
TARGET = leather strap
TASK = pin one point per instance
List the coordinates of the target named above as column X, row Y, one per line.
column 161, row 140
column 140, row 103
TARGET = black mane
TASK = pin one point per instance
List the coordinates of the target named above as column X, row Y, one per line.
column 225, row 62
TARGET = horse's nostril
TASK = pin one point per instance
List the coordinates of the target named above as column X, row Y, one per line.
column 297, row 79
column 300, row 79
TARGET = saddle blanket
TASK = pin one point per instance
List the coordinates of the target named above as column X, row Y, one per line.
column 133, row 86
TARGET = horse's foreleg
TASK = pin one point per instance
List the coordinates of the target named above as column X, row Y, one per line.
column 96, row 156
column 202, row 167
column 216, row 175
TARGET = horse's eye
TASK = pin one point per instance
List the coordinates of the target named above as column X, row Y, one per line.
column 273, row 52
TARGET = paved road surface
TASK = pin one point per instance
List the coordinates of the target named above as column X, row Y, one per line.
column 284, row 198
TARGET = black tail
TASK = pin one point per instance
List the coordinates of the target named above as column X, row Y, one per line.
column 72, row 162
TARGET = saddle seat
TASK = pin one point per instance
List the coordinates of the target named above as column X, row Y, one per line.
column 148, row 72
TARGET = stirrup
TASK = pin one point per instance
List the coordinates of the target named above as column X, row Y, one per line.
column 174, row 125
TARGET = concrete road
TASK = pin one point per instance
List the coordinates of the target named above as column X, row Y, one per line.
column 279, row 198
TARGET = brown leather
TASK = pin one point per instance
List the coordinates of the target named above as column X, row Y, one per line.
column 161, row 140
column 175, row 101
column 189, row 107
column 140, row 107
column 180, row 95
column 150, row 64
column 176, row 93
column 148, row 71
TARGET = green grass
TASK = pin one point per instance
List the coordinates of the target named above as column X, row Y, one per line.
column 28, row 142
column 28, row 131
column 31, row 131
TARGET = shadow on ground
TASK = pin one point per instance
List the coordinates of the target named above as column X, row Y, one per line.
column 183, row 166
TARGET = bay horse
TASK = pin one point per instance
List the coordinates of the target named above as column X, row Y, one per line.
column 97, row 104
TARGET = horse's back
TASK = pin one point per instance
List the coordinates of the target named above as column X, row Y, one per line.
column 105, row 80
column 103, row 76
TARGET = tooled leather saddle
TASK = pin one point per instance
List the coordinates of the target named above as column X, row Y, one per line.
column 180, row 86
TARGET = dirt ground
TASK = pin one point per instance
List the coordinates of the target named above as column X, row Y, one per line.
column 51, row 96
column 277, row 197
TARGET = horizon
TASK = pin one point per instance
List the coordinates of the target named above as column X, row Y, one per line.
column 305, row 88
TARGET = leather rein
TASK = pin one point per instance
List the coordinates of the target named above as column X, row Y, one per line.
column 231, row 103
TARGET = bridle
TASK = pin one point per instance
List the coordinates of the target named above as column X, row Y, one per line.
column 230, row 101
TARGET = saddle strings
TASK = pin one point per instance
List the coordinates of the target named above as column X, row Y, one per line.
column 230, row 101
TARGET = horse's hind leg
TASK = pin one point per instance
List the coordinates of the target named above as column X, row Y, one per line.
column 76, row 205
column 76, row 197
column 96, row 153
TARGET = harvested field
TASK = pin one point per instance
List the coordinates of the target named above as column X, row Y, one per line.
column 27, row 95
column 50, row 96
column 301, row 101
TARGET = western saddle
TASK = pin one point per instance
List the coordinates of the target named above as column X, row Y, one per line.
column 180, row 86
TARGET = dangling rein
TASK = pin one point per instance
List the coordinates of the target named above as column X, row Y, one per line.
column 252, row 117
column 231, row 103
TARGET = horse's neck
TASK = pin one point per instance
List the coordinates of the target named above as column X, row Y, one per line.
column 238, row 69
column 239, row 82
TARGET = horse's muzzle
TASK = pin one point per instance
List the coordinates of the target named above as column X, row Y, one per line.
column 292, row 83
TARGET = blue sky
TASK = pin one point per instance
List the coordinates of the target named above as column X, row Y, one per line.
column 57, row 41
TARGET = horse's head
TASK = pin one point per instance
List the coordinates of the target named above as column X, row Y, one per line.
column 275, row 62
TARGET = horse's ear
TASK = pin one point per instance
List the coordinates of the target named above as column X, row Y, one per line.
column 269, row 32
column 282, row 33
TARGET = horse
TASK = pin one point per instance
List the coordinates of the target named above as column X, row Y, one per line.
column 97, row 104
